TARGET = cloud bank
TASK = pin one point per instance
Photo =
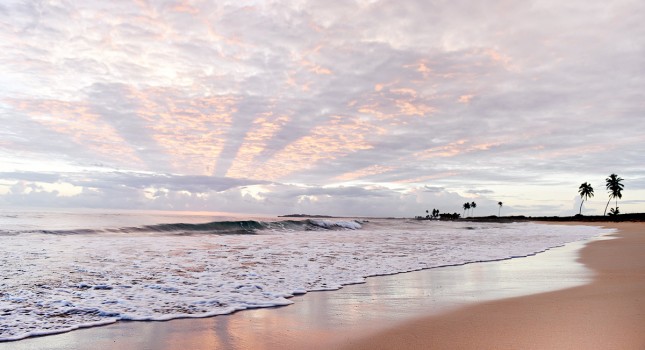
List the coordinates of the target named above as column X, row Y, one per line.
column 336, row 107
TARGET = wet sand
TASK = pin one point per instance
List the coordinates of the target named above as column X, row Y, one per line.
column 377, row 314
column 608, row 313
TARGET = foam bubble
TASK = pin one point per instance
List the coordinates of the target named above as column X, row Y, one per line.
column 351, row 225
column 57, row 283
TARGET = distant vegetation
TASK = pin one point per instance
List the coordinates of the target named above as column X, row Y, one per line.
column 590, row 218
column 615, row 188
column 304, row 216
column 436, row 215
column 613, row 183
column 466, row 207
column 469, row 206
column 586, row 192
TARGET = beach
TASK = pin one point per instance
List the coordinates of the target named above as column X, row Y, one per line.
column 608, row 313
column 597, row 305
column 277, row 175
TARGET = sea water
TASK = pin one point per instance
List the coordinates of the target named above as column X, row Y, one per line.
column 66, row 270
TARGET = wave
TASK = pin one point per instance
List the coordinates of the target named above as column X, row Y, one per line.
column 149, row 278
column 222, row 227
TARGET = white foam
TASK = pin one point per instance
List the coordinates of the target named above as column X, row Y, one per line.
column 351, row 225
column 59, row 283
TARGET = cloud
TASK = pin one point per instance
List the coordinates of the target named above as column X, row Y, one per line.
column 27, row 176
column 153, row 191
column 478, row 192
column 461, row 96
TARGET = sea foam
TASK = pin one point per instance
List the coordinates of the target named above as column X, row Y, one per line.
column 54, row 283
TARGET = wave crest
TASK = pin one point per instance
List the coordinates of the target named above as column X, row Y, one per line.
column 222, row 227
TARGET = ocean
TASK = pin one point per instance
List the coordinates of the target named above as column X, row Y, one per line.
column 66, row 270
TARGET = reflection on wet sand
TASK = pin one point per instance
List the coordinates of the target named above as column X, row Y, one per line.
column 320, row 319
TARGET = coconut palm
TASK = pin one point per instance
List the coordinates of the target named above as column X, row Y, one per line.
column 586, row 192
column 473, row 205
column 499, row 211
column 615, row 187
column 466, row 207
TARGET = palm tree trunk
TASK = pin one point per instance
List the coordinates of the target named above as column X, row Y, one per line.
column 606, row 206
column 616, row 203
column 581, row 206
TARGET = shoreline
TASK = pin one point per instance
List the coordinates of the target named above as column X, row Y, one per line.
column 332, row 319
column 607, row 313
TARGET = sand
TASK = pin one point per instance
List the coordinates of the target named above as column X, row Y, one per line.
column 598, row 306
column 608, row 313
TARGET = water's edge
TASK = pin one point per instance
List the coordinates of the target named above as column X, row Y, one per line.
column 296, row 296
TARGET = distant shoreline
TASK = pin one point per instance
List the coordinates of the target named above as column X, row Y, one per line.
column 637, row 217
column 315, row 216
column 306, row 216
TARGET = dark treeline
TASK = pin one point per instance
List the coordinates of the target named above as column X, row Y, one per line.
column 436, row 215
column 592, row 218
column 613, row 184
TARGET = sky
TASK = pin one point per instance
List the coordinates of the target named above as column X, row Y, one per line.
column 365, row 107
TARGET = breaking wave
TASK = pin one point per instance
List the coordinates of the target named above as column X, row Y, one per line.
column 223, row 227
column 58, row 283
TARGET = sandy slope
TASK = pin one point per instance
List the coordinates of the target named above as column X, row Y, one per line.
column 608, row 313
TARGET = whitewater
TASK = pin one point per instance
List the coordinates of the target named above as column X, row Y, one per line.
column 64, row 271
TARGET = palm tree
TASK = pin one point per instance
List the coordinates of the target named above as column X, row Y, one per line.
column 499, row 211
column 473, row 205
column 615, row 188
column 466, row 207
column 586, row 192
